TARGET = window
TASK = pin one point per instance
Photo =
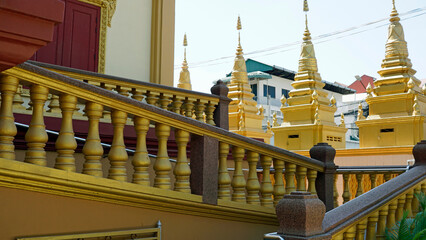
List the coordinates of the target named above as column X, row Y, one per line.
column 268, row 90
column 285, row 92
column 254, row 91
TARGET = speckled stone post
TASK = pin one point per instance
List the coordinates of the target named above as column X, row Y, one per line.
column 220, row 114
column 300, row 215
column 419, row 153
column 324, row 183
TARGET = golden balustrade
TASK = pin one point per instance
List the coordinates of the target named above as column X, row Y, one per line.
column 282, row 171
column 353, row 181
column 164, row 97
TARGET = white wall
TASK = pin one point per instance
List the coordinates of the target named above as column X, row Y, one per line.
column 129, row 40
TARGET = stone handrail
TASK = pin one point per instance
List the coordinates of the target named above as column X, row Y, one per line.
column 210, row 145
column 199, row 105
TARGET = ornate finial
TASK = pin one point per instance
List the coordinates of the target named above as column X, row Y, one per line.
column 416, row 109
column 274, row 119
column 317, row 118
column 305, row 6
column 283, row 101
column 314, row 97
column 333, row 101
column 184, row 78
column 268, row 126
column 410, row 85
column 241, row 123
column 369, row 90
column 342, row 120
column 360, row 113
column 239, row 26
column 261, row 110
column 424, row 89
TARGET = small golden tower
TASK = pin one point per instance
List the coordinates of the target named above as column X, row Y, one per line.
column 184, row 79
column 397, row 102
column 308, row 113
column 244, row 117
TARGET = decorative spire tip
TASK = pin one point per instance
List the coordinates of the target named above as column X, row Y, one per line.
column 305, row 6
column 185, row 41
column 239, row 27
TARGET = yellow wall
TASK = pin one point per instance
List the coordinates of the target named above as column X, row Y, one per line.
column 128, row 47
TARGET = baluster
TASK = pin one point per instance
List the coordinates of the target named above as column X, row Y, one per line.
column 117, row 155
column 177, row 104
column 182, row 170
column 92, row 148
column 162, row 165
column 359, row 184
column 390, row 221
column 238, row 181
column 165, row 100
column 338, row 237
column 387, row 177
column 8, row 87
column 266, row 188
column 36, row 136
column 17, row 99
column 335, row 193
column 360, row 230
column 400, row 208
column 350, row 233
column 54, row 106
column 373, row 180
column 408, row 202
column 200, row 105
column 290, row 170
column 152, row 98
column 279, row 189
column 106, row 113
column 312, row 176
column 224, row 179
column 371, row 226
column 141, row 160
column 346, row 195
column 253, row 185
column 188, row 106
column 137, row 94
column 209, row 113
column 381, row 225
column 66, row 143
column 301, row 175
column 415, row 206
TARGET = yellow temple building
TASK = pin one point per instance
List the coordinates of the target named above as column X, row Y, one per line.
column 245, row 117
column 397, row 102
column 308, row 115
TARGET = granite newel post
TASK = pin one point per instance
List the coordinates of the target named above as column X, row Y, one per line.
column 300, row 216
column 419, row 153
column 220, row 114
column 325, row 180
column 204, row 167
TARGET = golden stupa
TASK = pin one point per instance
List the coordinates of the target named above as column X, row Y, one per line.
column 308, row 113
column 397, row 103
column 184, row 79
column 244, row 116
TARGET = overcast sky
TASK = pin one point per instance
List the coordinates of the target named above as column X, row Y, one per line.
column 279, row 25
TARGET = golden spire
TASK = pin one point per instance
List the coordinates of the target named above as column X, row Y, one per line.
column 397, row 68
column 342, row 120
column 184, row 78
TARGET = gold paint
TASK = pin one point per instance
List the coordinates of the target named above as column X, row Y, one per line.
column 333, row 101
column 8, row 88
column 360, row 229
column 117, row 155
column 274, row 120
column 162, row 165
column 184, row 78
column 400, row 208
column 182, row 170
column 308, row 112
column 243, row 117
column 266, row 188
column 415, row 205
column 342, row 120
column 188, row 106
column 152, row 98
column 381, row 225
column 371, row 226
column 369, row 90
column 408, row 202
column 165, row 100
column 312, row 176
column 305, row 6
column 301, row 176
column 360, row 115
column 290, row 171
column 238, row 182
column 209, row 113
column 394, row 106
column 279, row 189
column 391, row 219
column 92, row 148
column 346, row 195
column 200, row 106
column 253, row 185
column 335, row 193
column 224, row 180
column 18, row 101
column 66, row 144
column 359, row 184
column 350, row 233
column 54, row 106
column 373, row 180
column 141, row 160
column 177, row 103
column 36, row 136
